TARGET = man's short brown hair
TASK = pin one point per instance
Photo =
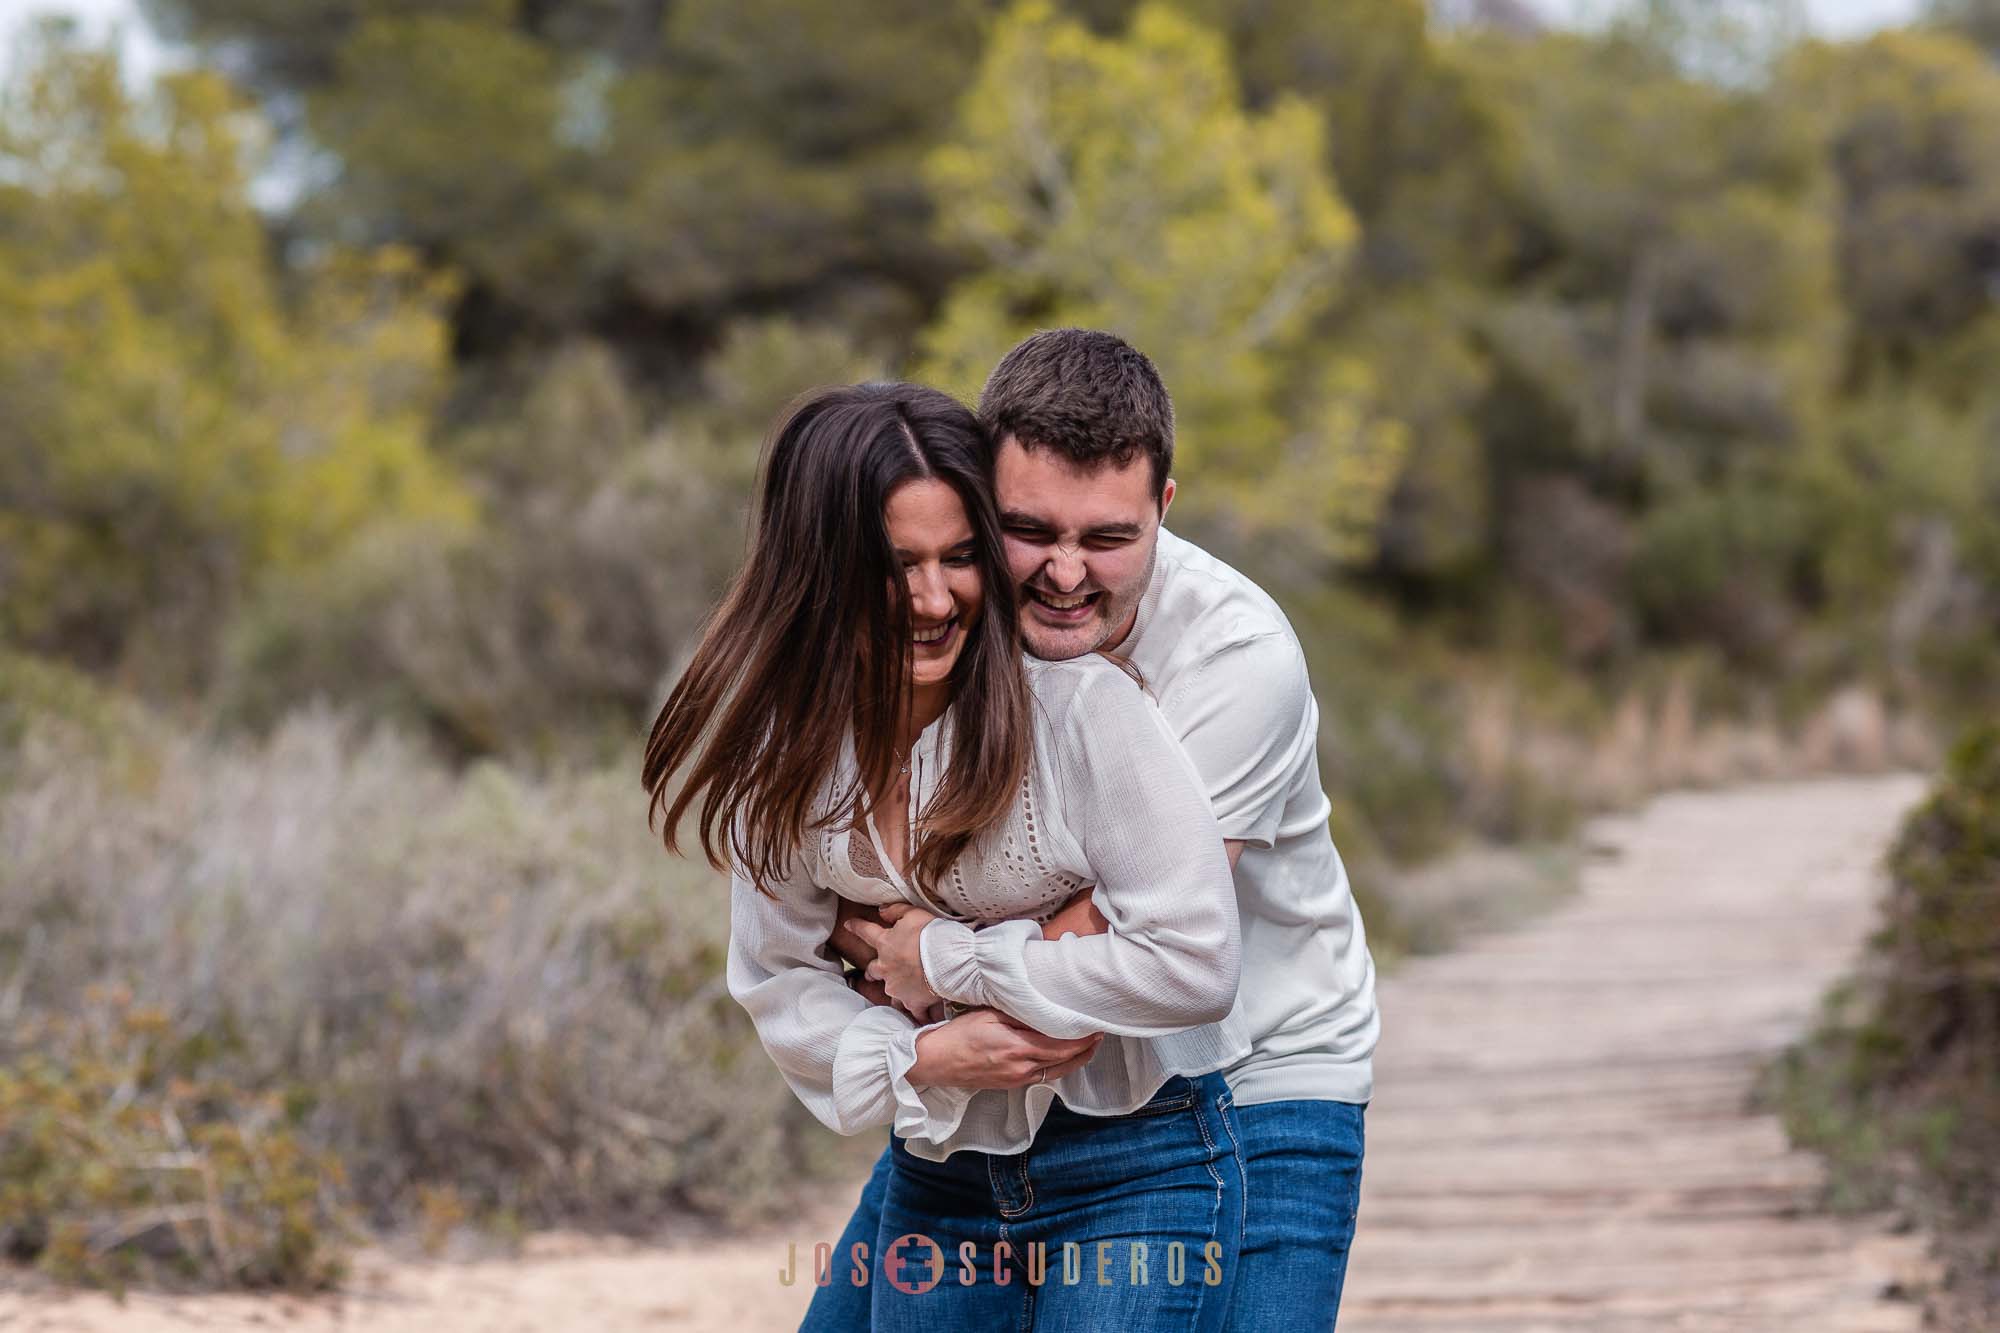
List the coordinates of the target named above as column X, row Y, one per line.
column 1090, row 396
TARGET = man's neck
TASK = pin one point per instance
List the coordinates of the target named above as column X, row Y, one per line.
column 1123, row 639
column 1117, row 645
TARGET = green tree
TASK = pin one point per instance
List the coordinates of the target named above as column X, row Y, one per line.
column 1419, row 155
column 629, row 168
column 1976, row 20
column 176, row 421
column 1119, row 183
column 1910, row 125
column 1671, row 335
column 1426, row 164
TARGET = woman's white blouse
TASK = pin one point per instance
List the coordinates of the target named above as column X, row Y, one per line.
column 1110, row 800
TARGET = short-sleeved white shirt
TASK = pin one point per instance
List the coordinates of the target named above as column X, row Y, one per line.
column 1226, row 667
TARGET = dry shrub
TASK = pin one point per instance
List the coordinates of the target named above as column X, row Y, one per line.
column 486, row 981
column 120, row 1158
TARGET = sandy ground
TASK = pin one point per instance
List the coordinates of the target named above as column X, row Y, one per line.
column 1559, row 1138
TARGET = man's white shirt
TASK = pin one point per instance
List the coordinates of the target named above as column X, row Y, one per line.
column 1226, row 667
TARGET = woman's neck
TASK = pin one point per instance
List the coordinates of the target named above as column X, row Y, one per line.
column 927, row 705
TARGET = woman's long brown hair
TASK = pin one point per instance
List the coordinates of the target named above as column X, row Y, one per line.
column 809, row 642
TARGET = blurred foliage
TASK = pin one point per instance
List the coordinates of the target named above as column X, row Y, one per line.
column 627, row 168
column 608, row 539
column 1204, row 234
column 1674, row 336
column 1976, row 20
column 175, row 422
column 337, row 948
column 1900, row 1085
column 121, row 1159
column 1911, row 128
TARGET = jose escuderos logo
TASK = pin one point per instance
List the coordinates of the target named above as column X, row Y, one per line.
column 915, row 1263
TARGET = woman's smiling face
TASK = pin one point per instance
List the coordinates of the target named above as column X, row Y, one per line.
column 934, row 540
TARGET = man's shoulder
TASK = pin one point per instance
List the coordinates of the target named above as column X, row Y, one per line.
column 1204, row 606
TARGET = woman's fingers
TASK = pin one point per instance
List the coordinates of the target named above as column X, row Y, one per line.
column 1038, row 1034
column 1069, row 1066
column 1047, row 1050
column 1055, row 1069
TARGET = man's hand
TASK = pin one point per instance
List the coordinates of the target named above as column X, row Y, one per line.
column 1078, row 916
column 899, row 961
column 844, row 940
column 988, row 1049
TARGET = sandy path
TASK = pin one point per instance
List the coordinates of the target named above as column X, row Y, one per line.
column 1558, row 1138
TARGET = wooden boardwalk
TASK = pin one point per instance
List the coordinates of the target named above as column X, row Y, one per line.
column 1559, row 1137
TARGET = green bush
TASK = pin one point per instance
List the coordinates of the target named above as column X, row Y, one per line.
column 122, row 1156
column 1900, row 1086
column 1937, row 1015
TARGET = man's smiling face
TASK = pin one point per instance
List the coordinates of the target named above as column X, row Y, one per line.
column 1080, row 543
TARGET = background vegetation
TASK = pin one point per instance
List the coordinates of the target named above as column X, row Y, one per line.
column 1900, row 1086
column 382, row 392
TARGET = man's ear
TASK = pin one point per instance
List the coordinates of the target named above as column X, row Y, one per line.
column 1166, row 498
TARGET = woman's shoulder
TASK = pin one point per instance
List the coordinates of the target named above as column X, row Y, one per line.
column 1059, row 686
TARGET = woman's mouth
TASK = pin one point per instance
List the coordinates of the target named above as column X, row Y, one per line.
column 1062, row 608
column 935, row 636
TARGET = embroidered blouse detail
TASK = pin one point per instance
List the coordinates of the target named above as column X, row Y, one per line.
column 1109, row 800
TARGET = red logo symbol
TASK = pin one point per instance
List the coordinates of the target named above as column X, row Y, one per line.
column 910, row 1270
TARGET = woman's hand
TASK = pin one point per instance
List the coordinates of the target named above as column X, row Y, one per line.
column 988, row 1049
column 899, row 960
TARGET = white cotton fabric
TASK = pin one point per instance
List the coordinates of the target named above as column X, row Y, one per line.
column 1226, row 667
column 1110, row 800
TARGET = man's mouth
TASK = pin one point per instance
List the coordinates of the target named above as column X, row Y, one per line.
column 1063, row 608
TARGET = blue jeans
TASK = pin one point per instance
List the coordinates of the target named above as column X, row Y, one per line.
column 1302, row 1168
column 1302, row 1160
column 1121, row 1222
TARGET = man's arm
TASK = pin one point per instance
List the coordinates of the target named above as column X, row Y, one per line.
column 1079, row 916
column 1249, row 740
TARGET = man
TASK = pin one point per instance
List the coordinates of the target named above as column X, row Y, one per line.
column 1083, row 432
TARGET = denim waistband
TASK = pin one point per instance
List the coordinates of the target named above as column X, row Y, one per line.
column 1178, row 1093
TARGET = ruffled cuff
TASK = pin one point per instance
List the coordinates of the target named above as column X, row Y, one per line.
column 955, row 956
column 871, row 1083
column 951, row 965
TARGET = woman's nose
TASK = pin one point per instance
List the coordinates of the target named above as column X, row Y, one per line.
column 930, row 599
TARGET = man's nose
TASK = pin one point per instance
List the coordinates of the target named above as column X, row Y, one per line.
column 930, row 599
column 1065, row 568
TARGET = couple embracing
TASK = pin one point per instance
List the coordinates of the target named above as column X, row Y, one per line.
column 971, row 720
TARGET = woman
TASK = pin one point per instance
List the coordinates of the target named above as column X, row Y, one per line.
column 858, row 722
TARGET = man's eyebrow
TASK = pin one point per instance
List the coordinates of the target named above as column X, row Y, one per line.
column 1018, row 519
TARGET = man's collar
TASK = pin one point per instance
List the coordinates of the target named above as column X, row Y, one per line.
column 1149, row 601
